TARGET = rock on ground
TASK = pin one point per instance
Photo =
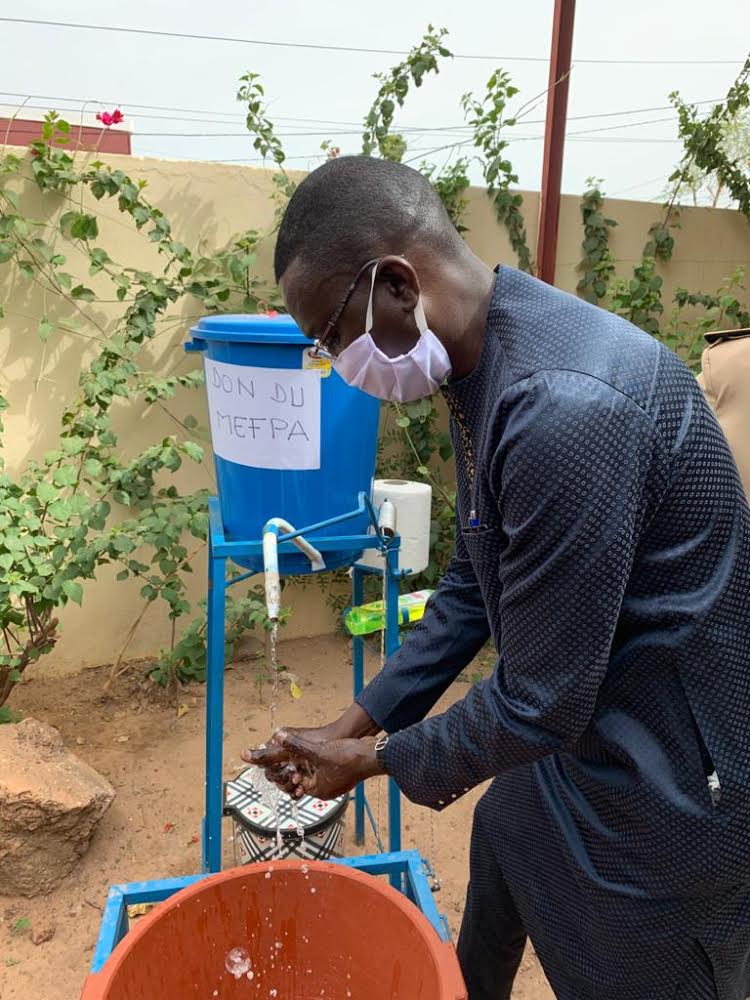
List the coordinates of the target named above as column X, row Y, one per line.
column 50, row 804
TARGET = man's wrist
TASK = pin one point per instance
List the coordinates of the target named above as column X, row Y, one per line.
column 355, row 723
column 372, row 764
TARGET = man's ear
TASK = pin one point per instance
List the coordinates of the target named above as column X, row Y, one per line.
column 400, row 280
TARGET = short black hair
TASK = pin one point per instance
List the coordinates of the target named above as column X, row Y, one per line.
column 353, row 208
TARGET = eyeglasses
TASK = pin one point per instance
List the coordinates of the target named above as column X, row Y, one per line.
column 325, row 343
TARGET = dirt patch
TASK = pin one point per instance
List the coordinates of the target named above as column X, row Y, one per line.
column 154, row 759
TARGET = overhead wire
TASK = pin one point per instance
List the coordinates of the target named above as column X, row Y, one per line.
column 321, row 121
column 195, row 36
column 29, row 127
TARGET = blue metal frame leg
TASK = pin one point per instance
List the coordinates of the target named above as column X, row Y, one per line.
column 392, row 641
column 358, row 670
column 214, row 712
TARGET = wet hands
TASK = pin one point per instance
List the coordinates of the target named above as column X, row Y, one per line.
column 286, row 775
column 301, row 763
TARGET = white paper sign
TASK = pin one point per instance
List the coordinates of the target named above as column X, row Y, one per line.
column 267, row 418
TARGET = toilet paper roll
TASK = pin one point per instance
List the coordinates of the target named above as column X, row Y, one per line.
column 413, row 503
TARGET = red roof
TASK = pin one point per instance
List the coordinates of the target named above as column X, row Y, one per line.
column 22, row 131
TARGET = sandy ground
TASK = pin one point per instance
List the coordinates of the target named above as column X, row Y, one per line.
column 154, row 759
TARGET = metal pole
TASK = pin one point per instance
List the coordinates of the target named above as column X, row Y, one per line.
column 554, row 138
column 358, row 672
column 214, row 713
column 392, row 641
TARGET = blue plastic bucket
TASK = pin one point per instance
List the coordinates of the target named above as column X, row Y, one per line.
column 291, row 439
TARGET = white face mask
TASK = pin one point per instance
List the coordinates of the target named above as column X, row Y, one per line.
column 403, row 379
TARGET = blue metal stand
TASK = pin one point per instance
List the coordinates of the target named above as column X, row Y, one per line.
column 219, row 551
column 408, row 867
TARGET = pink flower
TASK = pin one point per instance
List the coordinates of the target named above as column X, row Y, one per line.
column 108, row 119
column 272, row 312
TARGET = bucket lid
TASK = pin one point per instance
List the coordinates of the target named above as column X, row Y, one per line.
column 245, row 803
column 250, row 329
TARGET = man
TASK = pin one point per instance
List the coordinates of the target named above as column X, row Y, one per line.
column 603, row 542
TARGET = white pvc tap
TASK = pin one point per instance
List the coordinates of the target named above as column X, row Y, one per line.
column 271, row 531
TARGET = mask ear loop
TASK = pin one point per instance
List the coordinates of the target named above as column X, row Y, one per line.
column 368, row 318
column 419, row 317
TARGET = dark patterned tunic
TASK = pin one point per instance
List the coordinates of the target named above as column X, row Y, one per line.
column 611, row 567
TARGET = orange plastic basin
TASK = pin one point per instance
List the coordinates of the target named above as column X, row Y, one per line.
column 309, row 931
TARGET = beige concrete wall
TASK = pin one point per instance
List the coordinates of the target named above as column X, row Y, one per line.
column 208, row 203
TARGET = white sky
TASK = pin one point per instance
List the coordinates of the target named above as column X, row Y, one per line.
column 337, row 87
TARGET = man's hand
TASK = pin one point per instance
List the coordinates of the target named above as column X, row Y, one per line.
column 354, row 723
column 323, row 769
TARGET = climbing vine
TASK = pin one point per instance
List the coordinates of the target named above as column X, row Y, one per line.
column 394, row 86
column 451, row 184
column 597, row 264
column 721, row 310
column 704, row 142
column 252, row 95
column 488, row 120
column 638, row 298
column 85, row 504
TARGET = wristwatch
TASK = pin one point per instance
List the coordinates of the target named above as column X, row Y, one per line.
column 380, row 745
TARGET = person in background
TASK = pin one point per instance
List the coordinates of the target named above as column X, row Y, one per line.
column 725, row 379
column 603, row 545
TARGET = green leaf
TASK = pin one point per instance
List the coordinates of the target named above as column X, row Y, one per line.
column 193, row 450
column 66, row 475
column 122, row 543
column 44, row 330
column 60, row 510
column 82, row 293
column 8, row 715
column 46, row 492
column 79, row 226
column 11, row 197
column 93, row 466
column 6, row 561
column 73, row 445
column 74, row 590
column 403, row 422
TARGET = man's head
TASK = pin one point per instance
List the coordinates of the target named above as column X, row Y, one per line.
column 353, row 210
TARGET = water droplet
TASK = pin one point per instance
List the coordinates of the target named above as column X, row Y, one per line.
column 277, row 945
column 313, row 889
column 304, row 869
column 237, row 962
